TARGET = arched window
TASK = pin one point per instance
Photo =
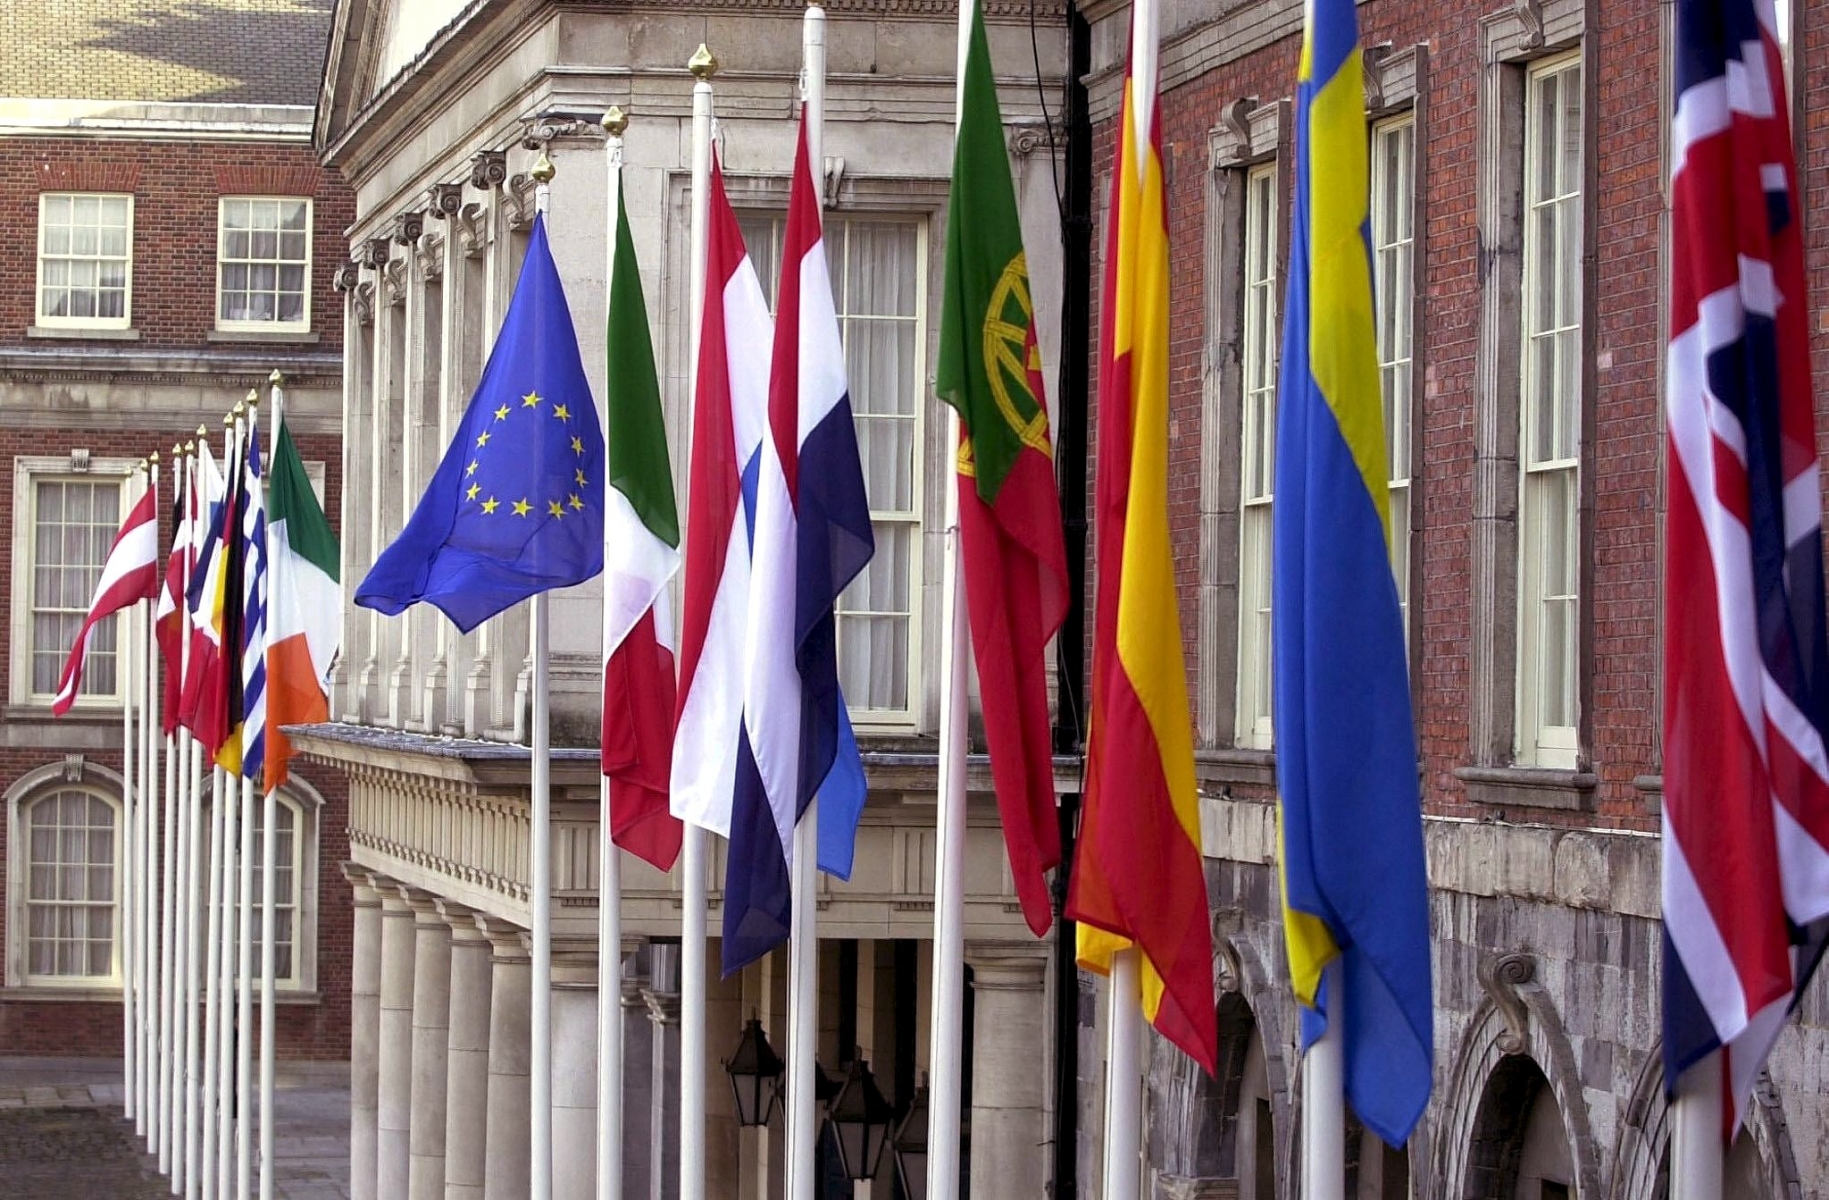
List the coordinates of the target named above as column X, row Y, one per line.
column 68, row 903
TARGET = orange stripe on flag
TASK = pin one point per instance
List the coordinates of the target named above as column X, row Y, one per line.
column 293, row 698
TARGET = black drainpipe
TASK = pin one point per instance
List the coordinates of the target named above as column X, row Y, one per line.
column 1070, row 461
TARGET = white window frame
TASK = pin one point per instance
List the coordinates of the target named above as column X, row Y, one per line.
column 28, row 472
column 884, row 720
column 303, row 901
column 1394, row 274
column 303, row 323
column 53, row 321
column 1257, row 454
column 18, row 899
column 1540, row 741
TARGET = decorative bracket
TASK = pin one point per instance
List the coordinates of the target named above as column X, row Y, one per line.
column 344, row 278
column 835, row 178
column 430, row 256
column 79, row 460
column 73, row 768
column 1530, row 16
column 375, row 253
column 488, row 169
column 550, row 127
column 1370, row 62
column 517, row 201
column 364, row 298
column 393, row 282
column 472, row 229
column 1501, row 975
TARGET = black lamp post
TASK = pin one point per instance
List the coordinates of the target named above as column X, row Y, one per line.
column 755, row 1075
column 861, row 1118
column 910, row 1145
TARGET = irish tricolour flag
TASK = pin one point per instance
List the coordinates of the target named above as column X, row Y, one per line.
column 304, row 605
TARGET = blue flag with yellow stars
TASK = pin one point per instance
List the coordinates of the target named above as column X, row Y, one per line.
column 516, row 507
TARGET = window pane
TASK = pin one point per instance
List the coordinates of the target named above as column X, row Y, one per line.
column 69, row 906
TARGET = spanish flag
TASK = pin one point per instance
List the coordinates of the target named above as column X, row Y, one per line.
column 1137, row 876
column 1354, row 887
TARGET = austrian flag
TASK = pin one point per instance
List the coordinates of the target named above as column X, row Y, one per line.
column 1746, row 665
column 130, row 574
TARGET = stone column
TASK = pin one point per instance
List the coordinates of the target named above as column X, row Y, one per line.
column 1009, row 1068
column 394, row 1074
column 637, row 1071
column 508, row 1138
column 574, row 1096
column 431, row 1032
column 466, row 1054
column 364, row 1031
column 663, row 999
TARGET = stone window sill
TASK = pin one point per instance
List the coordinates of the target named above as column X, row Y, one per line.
column 1253, row 768
column 81, row 714
column 81, row 333
column 42, row 994
column 290, row 337
column 1529, row 787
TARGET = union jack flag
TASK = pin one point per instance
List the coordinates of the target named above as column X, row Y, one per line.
column 1746, row 664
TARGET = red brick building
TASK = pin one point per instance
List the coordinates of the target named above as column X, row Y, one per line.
column 171, row 240
column 1518, row 226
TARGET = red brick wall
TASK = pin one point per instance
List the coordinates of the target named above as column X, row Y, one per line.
column 317, row 1030
column 1624, row 340
column 175, row 187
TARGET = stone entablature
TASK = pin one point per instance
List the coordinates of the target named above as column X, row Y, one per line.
column 451, row 817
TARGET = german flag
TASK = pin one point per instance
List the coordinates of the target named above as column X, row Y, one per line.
column 1137, row 877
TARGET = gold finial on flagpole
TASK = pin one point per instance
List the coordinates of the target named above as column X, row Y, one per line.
column 203, row 431
column 191, row 446
column 253, row 400
column 615, row 121
column 278, row 378
column 177, row 451
column 235, row 414
column 542, row 170
column 703, row 64
column 153, row 458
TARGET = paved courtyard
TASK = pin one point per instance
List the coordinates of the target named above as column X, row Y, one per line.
column 63, row 1135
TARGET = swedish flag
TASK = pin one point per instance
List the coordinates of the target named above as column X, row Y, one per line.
column 1354, row 886
column 517, row 504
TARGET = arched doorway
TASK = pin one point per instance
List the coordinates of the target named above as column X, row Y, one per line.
column 1520, row 1148
column 1215, row 1136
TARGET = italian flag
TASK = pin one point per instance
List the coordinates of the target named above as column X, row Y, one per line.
column 304, row 605
column 641, row 537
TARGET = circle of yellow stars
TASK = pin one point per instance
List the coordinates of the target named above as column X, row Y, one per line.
column 522, row 507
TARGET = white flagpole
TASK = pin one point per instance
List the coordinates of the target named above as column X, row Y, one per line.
column 228, row 798
column 215, row 1034
column 171, row 1159
column 195, row 1113
column 609, row 860
column 191, row 782
column 946, row 1056
column 803, row 940
column 158, row 1066
column 1697, row 1139
column 125, row 628
column 178, row 856
column 1324, row 1108
column 696, row 900
column 244, row 956
column 269, row 866
column 540, row 1065
column 1124, row 1078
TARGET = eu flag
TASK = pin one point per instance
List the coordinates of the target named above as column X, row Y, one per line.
column 516, row 507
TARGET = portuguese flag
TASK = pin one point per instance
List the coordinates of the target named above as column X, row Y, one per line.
column 641, row 537
column 304, row 605
column 1016, row 586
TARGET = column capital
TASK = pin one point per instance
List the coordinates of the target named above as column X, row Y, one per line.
column 423, row 903
column 663, row 1007
column 359, row 879
column 508, row 939
column 462, row 920
column 575, row 963
column 1008, row 966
